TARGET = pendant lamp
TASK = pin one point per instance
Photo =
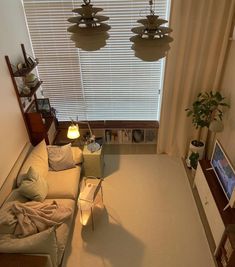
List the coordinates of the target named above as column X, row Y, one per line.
column 89, row 32
column 151, row 41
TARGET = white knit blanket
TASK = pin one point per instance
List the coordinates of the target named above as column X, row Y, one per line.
column 33, row 217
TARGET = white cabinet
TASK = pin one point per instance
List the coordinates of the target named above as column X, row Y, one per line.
column 130, row 136
column 93, row 162
column 212, row 213
column 119, row 136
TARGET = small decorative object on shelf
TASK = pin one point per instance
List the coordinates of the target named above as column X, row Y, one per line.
column 32, row 90
column 26, row 90
column 108, row 134
column 43, row 106
column 31, row 80
column 138, row 135
column 150, row 135
column 21, row 67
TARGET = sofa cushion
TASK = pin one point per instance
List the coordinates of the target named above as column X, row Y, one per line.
column 77, row 155
column 38, row 158
column 33, row 186
column 60, row 157
column 63, row 184
column 41, row 243
column 62, row 232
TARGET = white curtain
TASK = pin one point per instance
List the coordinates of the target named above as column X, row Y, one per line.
column 194, row 64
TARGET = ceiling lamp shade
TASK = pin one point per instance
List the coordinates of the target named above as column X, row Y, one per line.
column 89, row 32
column 152, row 41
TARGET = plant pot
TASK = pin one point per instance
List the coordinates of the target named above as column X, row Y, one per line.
column 195, row 147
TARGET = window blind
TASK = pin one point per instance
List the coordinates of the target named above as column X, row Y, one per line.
column 108, row 84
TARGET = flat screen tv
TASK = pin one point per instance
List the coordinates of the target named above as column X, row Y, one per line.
column 223, row 170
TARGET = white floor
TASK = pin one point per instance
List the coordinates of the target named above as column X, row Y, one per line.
column 150, row 218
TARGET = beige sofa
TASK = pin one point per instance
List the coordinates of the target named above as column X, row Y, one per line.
column 63, row 186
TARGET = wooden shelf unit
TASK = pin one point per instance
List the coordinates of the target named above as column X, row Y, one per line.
column 38, row 128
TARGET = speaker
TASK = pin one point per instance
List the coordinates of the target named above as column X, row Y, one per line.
column 231, row 202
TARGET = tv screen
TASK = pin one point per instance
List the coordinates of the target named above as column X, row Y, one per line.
column 223, row 170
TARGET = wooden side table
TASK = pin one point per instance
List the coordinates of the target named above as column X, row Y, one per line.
column 93, row 162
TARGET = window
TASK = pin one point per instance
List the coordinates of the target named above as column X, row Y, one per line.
column 108, row 84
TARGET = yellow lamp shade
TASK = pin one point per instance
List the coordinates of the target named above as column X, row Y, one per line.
column 73, row 132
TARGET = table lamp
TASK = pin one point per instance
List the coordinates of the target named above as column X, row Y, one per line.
column 73, row 133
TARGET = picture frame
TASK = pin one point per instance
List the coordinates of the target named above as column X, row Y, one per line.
column 31, row 61
column 43, row 106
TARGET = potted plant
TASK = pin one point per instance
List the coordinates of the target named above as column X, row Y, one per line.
column 193, row 158
column 206, row 109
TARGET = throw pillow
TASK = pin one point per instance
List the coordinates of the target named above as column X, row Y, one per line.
column 60, row 157
column 41, row 243
column 34, row 186
column 38, row 158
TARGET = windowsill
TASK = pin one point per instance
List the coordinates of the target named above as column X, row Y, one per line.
column 113, row 124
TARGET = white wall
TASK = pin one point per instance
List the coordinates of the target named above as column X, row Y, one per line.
column 227, row 137
column 13, row 134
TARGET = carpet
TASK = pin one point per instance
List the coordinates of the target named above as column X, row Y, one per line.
column 149, row 219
